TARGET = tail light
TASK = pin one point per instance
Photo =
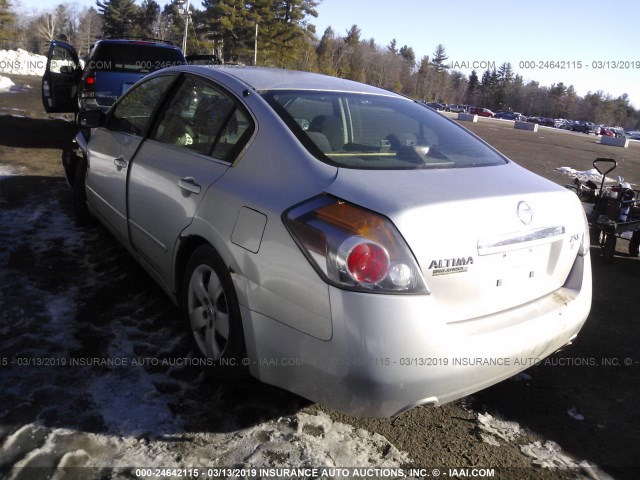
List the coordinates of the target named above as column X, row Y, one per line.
column 354, row 248
column 89, row 85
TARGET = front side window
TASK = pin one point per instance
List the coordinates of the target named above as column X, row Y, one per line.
column 378, row 132
column 62, row 60
column 133, row 113
column 202, row 118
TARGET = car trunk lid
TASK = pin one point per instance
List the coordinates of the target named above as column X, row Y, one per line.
column 487, row 239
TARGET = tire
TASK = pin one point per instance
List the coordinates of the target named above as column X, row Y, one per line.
column 80, row 209
column 608, row 248
column 634, row 244
column 211, row 310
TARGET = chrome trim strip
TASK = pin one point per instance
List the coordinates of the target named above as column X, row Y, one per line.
column 518, row 240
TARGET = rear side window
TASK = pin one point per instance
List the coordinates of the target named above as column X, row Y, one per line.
column 204, row 119
column 133, row 57
column 133, row 113
column 378, row 132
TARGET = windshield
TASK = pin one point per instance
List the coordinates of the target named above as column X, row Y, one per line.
column 366, row 131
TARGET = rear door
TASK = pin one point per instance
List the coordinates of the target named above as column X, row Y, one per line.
column 112, row 149
column 61, row 79
column 197, row 136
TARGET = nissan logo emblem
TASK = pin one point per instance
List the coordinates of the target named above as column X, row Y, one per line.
column 525, row 214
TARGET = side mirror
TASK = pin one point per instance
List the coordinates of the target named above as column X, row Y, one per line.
column 67, row 69
column 90, row 119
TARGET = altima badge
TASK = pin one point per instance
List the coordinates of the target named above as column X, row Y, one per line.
column 447, row 266
column 525, row 214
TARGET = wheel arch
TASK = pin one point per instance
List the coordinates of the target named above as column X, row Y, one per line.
column 187, row 245
column 188, row 242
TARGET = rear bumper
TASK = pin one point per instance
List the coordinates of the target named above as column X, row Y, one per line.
column 387, row 354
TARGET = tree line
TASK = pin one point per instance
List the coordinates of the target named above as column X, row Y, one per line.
column 287, row 38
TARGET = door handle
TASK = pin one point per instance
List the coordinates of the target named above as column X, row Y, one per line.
column 120, row 162
column 189, row 184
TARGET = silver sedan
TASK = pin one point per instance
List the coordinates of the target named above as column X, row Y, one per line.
column 337, row 240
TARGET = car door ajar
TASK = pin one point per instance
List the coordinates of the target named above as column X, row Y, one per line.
column 192, row 146
column 112, row 149
column 61, row 79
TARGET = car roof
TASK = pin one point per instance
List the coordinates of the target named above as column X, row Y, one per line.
column 268, row 79
column 132, row 41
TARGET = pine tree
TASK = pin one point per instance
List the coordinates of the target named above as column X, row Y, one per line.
column 441, row 80
column 170, row 25
column 285, row 29
column 7, row 20
column 232, row 23
column 146, row 20
column 472, row 88
column 118, row 16
column 326, row 52
column 355, row 69
column 408, row 54
column 439, row 57
column 423, row 79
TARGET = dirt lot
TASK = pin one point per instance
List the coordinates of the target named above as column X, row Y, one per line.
column 71, row 292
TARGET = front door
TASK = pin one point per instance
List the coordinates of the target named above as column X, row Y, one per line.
column 113, row 148
column 61, row 79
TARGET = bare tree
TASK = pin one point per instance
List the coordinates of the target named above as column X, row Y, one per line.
column 46, row 28
column 89, row 30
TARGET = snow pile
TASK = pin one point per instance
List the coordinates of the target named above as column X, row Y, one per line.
column 304, row 440
column 21, row 62
column 584, row 175
column 5, row 84
column 298, row 441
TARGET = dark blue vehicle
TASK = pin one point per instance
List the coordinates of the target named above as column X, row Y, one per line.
column 111, row 68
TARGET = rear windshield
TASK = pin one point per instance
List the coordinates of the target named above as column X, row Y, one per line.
column 134, row 57
column 378, row 132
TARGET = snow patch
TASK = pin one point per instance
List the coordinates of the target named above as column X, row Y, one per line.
column 573, row 413
column 5, row 84
column 130, row 404
column 494, row 427
column 549, row 455
column 521, row 377
column 8, row 171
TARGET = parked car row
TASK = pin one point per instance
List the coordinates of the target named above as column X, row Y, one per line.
column 448, row 107
column 516, row 116
column 562, row 123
